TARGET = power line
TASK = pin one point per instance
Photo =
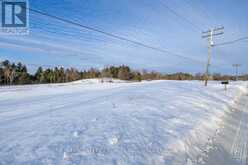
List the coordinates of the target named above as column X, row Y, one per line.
column 113, row 35
column 76, row 54
column 216, row 66
column 205, row 15
column 181, row 17
column 232, row 42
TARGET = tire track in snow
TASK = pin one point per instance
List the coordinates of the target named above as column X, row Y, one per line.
column 239, row 145
column 231, row 147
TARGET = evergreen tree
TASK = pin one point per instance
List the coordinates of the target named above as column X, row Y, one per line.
column 39, row 75
column 124, row 73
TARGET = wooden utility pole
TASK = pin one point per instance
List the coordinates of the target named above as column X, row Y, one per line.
column 209, row 35
column 236, row 66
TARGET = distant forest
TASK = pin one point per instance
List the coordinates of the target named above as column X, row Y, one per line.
column 17, row 74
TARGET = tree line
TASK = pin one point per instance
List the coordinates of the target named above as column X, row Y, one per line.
column 17, row 74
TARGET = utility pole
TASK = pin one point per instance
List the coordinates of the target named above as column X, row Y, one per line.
column 236, row 66
column 209, row 35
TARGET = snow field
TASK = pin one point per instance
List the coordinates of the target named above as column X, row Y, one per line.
column 88, row 122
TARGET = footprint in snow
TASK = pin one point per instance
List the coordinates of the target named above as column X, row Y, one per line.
column 113, row 141
column 94, row 120
column 114, row 105
column 66, row 156
column 76, row 134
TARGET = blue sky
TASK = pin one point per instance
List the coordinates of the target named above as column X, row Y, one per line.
column 52, row 42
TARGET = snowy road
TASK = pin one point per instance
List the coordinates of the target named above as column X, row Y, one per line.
column 89, row 123
column 231, row 146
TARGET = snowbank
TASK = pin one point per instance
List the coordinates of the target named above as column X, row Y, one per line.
column 87, row 122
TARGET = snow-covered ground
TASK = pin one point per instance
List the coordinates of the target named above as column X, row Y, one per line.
column 92, row 123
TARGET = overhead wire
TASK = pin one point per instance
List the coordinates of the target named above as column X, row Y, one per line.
column 138, row 43
column 115, row 36
column 195, row 26
column 232, row 42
